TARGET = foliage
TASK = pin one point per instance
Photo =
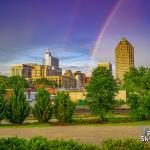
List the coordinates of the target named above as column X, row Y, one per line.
column 46, row 82
column 42, row 109
column 2, row 101
column 64, row 107
column 137, row 84
column 41, row 143
column 14, row 81
column 38, row 143
column 17, row 106
column 13, row 143
column 101, row 92
column 126, row 144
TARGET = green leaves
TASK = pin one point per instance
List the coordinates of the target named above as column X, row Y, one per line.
column 101, row 91
column 15, row 81
column 137, row 84
column 64, row 107
column 42, row 109
column 17, row 107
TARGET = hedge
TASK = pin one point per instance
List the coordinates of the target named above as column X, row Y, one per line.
column 41, row 143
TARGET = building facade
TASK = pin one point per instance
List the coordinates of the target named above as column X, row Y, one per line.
column 124, row 55
column 107, row 65
column 23, row 70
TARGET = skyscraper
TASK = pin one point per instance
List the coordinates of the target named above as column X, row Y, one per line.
column 50, row 61
column 124, row 54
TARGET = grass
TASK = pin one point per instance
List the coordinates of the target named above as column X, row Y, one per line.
column 83, row 120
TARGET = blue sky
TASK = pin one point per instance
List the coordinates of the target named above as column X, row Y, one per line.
column 70, row 29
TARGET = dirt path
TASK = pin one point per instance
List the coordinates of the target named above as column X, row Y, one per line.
column 84, row 134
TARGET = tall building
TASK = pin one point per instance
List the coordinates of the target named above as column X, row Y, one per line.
column 124, row 54
column 107, row 65
column 49, row 60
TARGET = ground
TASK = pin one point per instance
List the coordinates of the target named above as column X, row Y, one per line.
column 85, row 134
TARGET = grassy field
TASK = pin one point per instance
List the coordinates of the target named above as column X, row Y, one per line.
column 82, row 120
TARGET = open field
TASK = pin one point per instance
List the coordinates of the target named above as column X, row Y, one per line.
column 84, row 134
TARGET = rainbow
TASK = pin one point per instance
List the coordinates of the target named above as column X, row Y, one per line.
column 103, row 30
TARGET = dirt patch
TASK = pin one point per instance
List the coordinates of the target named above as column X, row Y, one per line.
column 83, row 134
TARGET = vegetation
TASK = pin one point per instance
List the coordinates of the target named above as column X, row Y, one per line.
column 137, row 84
column 17, row 107
column 101, row 92
column 64, row 107
column 42, row 109
column 41, row 143
column 46, row 83
column 2, row 101
column 14, row 81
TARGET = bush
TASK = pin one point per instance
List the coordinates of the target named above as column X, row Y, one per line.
column 13, row 143
column 41, row 143
column 38, row 143
column 17, row 108
column 2, row 101
column 126, row 144
column 64, row 107
column 42, row 109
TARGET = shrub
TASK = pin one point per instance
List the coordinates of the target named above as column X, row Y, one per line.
column 42, row 109
column 13, row 143
column 38, row 143
column 17, row 108
column 64, row 107
column 126, row 144
column 41, row 143
column 2, row 101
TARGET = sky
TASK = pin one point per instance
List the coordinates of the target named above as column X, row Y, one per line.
column 81, row 33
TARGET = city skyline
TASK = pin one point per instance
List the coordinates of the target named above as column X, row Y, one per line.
column 80, row 33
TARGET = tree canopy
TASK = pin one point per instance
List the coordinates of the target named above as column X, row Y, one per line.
column 101, row 92
column 137, row 84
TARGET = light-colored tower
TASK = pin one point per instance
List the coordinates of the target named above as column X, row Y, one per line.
column 50, row 61
column 47, row 58
column 124, row 54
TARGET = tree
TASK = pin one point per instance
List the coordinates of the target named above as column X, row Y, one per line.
column 42, row 109
column 17, row 106
column 64, row 107
column 137, row 84
column 14, row 81
column 101, row 92
column 2, row 101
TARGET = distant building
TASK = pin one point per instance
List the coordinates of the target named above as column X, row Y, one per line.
column 79, row 76
column 21, row 70
column 107, row 65
column 124, row 54
column 51, row 61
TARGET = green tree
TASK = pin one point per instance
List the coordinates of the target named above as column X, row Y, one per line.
column 101, row 92
column 14, row 81
column 64, row 107
column 2, row 101
column 137, row 84
column 17, row 106
column 42, row 109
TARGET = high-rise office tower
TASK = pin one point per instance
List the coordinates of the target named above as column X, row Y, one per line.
column 124, row 54
column 50, row 61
